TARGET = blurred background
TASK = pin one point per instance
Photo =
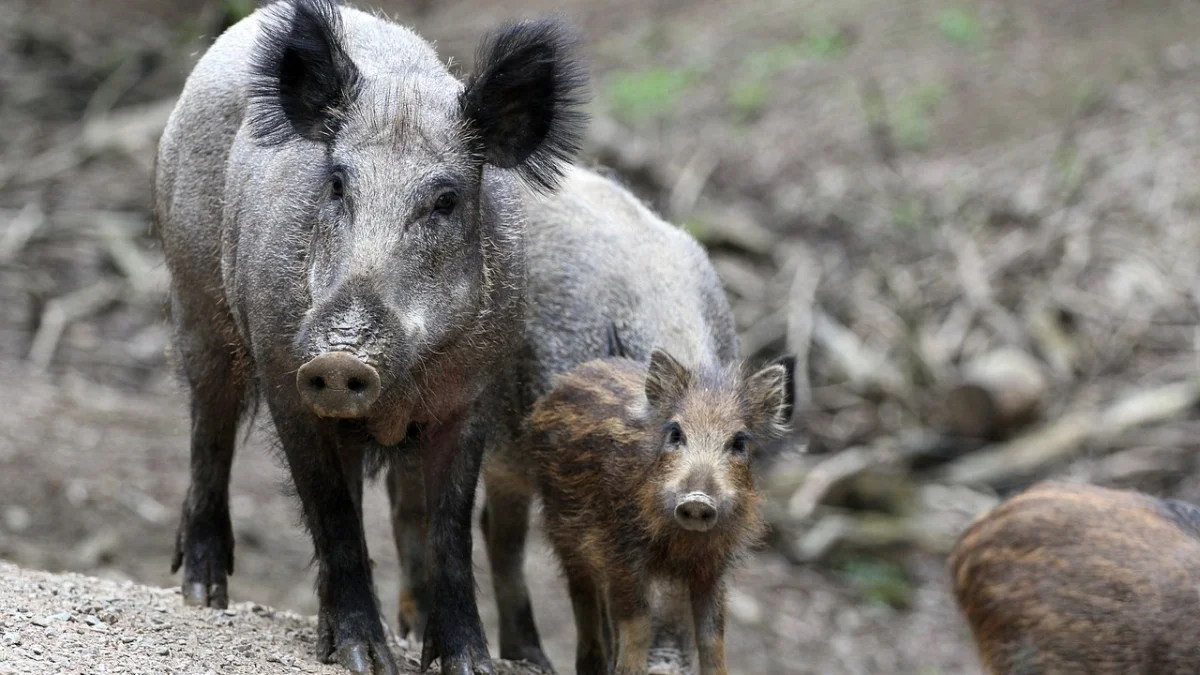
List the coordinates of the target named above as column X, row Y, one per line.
column 974, row 221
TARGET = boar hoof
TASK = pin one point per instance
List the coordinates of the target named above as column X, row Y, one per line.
column 358, row 657
column 204, row 549
column 471, row 662
column 200, row 594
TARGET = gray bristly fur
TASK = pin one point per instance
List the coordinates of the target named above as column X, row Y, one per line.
column 324, row 183
column 600, row 262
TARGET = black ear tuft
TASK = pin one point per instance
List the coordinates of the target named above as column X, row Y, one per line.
column 523, row 103
column 303, row 81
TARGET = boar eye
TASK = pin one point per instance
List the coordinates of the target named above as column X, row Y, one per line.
column 674, row 434
column 740, row 444
column 445, row 203
column 337, row 186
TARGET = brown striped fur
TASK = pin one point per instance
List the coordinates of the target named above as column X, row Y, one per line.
column 610, row 479
column 1068, row 579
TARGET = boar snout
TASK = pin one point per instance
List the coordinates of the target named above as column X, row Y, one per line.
column 338, row 384
column 696, row 511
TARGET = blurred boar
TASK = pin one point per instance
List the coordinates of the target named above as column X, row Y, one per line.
column 343, row 221
column 644, row 472
column 1067, row 578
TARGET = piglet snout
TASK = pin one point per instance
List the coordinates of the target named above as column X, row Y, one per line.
column 696, row 511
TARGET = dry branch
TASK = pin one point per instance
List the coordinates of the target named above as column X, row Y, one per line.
column 1061, row 438
column 999, row 391
column 21, row 227
column 802, row 298
column 61, row 311
column 132, row 130
column 867, row 370
column 849, row 463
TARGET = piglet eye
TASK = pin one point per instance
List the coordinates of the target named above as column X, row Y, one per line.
column 445, row 203
column 740, row 444
column 674, row 434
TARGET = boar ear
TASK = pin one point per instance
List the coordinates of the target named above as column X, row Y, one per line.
column 303, row 79
column 771, row 397
column 666, row 380
column 523, row 103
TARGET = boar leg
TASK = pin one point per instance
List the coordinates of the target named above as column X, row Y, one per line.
column 627, row 602
column 406, row 492
column 590, row 650
column 451, row 453
column 708, row 614
column 349, row 628
column 204, row 540
column 505, row 524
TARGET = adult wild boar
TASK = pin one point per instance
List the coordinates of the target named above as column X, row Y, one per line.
column 342, row 220
column 597, row 256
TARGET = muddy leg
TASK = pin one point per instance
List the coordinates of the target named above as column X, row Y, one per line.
column 708, row 613
column 505, row 524
column 204, row 540
column 672, row 625
column 349, row 627
column 631, row 624
column 450, row 459
column 406, row 493
column 590, row 651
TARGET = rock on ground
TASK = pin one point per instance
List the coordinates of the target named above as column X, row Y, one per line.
column 69, row 623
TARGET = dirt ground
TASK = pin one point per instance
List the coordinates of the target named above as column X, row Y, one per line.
column 767, row 98
column 72, row 623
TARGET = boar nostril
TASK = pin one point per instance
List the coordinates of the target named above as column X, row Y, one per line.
column 338, row 384
column 696, row 511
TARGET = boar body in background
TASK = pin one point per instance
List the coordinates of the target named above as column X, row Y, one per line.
column 596, row 257
column 1077, row 579
column 343, row 222
column 644, row 473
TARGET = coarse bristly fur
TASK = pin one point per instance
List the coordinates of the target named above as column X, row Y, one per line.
column 1068, row 578
column 346, row 233
column 617, row 445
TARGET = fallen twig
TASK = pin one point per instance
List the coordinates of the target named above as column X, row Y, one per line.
column 63, row 310
column 1063, row 437
column 21, row 228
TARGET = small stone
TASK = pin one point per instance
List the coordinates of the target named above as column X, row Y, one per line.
column 229, row 612
column 36, row 649
column 163, row 651
column 17, row 518
column 12, row 638
column 127, row 639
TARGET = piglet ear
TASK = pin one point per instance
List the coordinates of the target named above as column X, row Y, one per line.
column 666, row 381
column 523, row 103
column 303, row 80
column 771, row 398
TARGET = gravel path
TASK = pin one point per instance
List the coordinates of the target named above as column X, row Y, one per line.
column 69, row 623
